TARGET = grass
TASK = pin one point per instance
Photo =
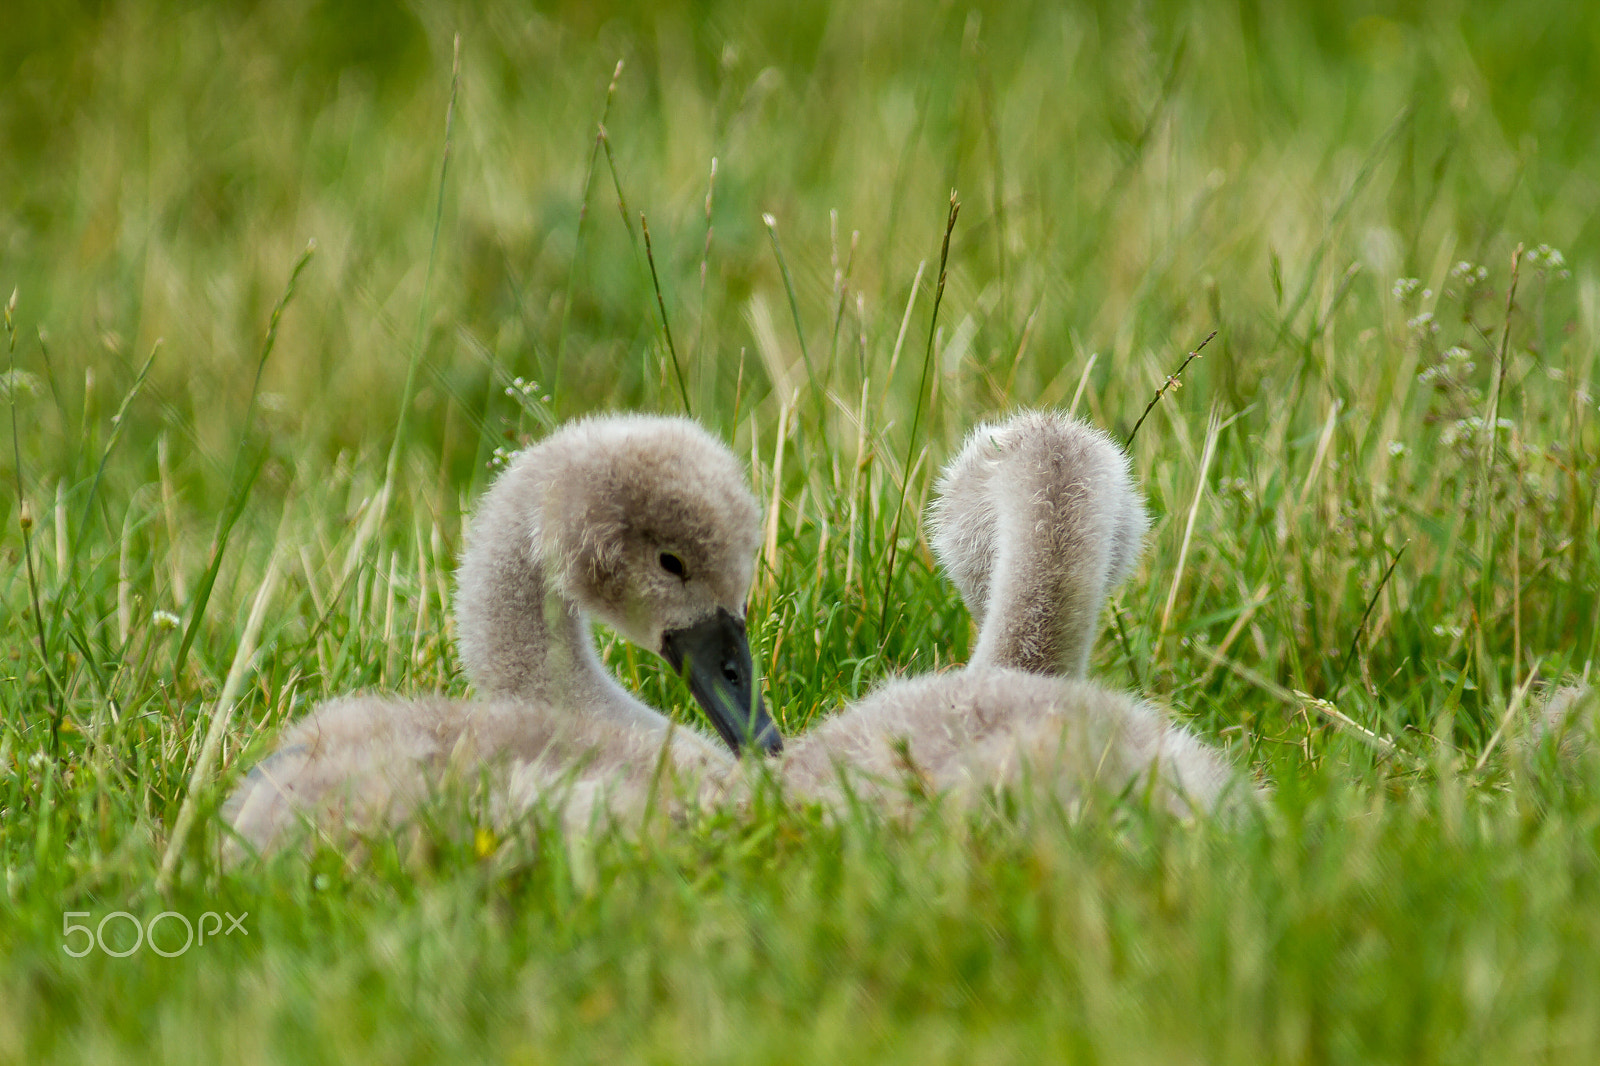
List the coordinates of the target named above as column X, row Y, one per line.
column 1376, row 492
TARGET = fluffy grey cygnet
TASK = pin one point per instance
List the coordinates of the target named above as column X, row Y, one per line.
column 1036, row 520
column 646, row 523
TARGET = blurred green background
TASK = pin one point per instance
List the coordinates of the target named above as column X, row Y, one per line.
column 1129, row 175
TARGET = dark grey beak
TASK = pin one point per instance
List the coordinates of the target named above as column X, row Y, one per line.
column 714, row 657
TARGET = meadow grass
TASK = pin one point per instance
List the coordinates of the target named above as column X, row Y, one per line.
column 236, row 465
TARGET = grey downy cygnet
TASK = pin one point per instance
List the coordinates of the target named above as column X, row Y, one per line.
column 646, row 523
column 1035, row 521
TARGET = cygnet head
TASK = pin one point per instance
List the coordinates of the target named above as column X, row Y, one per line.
column 646, row 523
column 1040, row 510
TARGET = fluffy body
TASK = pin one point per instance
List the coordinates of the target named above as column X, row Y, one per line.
column 364, row 763
column 576, row 525
column 974, row 731
column 1569, row 718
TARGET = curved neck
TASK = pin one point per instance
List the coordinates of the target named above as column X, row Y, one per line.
column 1051, row 573
column 518, row 636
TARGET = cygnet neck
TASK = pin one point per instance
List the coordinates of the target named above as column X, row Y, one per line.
column 1052, row 566
column 518, row 635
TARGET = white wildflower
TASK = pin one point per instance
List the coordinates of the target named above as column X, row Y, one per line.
column 1465, row 429
column 1548, row 259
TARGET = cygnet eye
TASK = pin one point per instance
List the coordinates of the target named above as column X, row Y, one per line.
column 673, row 565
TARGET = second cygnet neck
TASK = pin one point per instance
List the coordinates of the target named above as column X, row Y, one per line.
column 1036, row 520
